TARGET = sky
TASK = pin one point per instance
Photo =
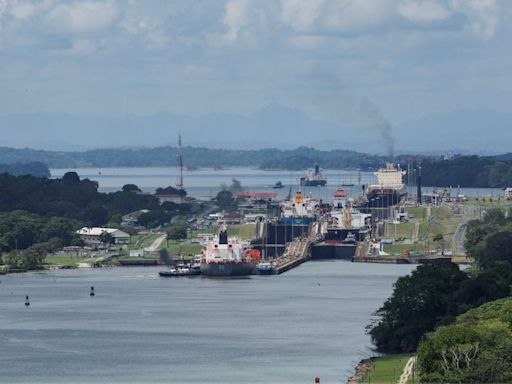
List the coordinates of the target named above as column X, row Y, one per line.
column 330, row 58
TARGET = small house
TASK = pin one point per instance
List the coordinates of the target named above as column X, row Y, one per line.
column 93, row 236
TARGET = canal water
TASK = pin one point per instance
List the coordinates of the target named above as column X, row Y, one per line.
column 206, row 182
column 140, row 328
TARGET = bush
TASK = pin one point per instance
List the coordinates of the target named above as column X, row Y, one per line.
column 477, row 349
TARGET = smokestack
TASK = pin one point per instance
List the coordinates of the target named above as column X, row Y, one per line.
column 418, row 182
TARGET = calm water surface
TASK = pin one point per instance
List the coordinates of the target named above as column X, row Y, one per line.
column 140, row 328
column 206, row 182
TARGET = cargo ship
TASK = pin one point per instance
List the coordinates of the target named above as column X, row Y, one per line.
column 388, row 191
column 293, row 220
column 301, row 210
column 347, row 226
column 314, row 178
column 227, row 257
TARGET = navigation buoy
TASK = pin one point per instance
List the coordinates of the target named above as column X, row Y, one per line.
column 27, row 303
column 92, row 292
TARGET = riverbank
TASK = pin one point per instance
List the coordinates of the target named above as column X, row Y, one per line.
column 382, row 370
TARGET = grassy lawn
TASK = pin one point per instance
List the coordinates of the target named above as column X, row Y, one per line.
column 398, row 248
column 64, row 260
column 148, row 240
column 242, row 231
column 402, row 230
column 186, row 248
column 416, row 212
column 489, row 202
column 133, row 240
column 387, row 369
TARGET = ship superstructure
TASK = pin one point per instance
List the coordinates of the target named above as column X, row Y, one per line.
column 225, row 256
column 300, row 210
column 345, row 228
column 314, row 178
column 389, row 188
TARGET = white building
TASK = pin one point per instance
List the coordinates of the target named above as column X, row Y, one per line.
column 92, row 236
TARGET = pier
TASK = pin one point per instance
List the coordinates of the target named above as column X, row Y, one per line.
column 296, row 253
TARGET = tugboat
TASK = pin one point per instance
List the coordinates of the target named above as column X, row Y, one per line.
column 278, row 185
column 181, row 270
column 314, row 178
column 227, row 257
column 264, row 268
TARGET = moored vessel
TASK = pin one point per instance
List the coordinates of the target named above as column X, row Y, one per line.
column 300, row 210
column 264, row 268
column 346, row 227
column 227, row 257
column 389, row 189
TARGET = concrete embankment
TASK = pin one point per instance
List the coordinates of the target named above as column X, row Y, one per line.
column 381, row 260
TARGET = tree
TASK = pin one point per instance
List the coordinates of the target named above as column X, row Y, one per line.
column 170, row 206
column 154, row 218
column 106, row 238
column 419, row 302
column 494, row 216
column 96, row 214
column 71, row 177
column 477, row 349
column 496, row 247
column 132, row 188
column 438, row 238
column 177, row 231
column 225, row 200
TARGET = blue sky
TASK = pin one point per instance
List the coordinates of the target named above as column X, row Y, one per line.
column 405, row 58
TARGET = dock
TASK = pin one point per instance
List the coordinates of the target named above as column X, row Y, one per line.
column 296, row 253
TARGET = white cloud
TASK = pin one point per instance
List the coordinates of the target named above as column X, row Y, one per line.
column 83, row 47
column 235, row 17
column 423, row 11
column 81, row 16
column 301, row 15
column 22, row 9
column 335, row 15
column 482, row 14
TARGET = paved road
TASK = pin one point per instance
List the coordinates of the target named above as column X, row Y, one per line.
column 407, row 372
column 458, row 239
column 155, row 245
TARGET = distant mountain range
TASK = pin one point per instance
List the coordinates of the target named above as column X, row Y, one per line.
column 275, row 126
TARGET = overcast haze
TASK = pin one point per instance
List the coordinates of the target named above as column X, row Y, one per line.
column 351, row 65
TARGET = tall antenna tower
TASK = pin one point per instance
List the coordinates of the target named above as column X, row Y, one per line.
column 179, row 183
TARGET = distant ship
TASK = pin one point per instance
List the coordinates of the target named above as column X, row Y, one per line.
column 314, row 178
column 227, row 257
column 278, row 185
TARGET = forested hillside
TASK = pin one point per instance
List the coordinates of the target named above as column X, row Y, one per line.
column 35, row 168
column 468, row 171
